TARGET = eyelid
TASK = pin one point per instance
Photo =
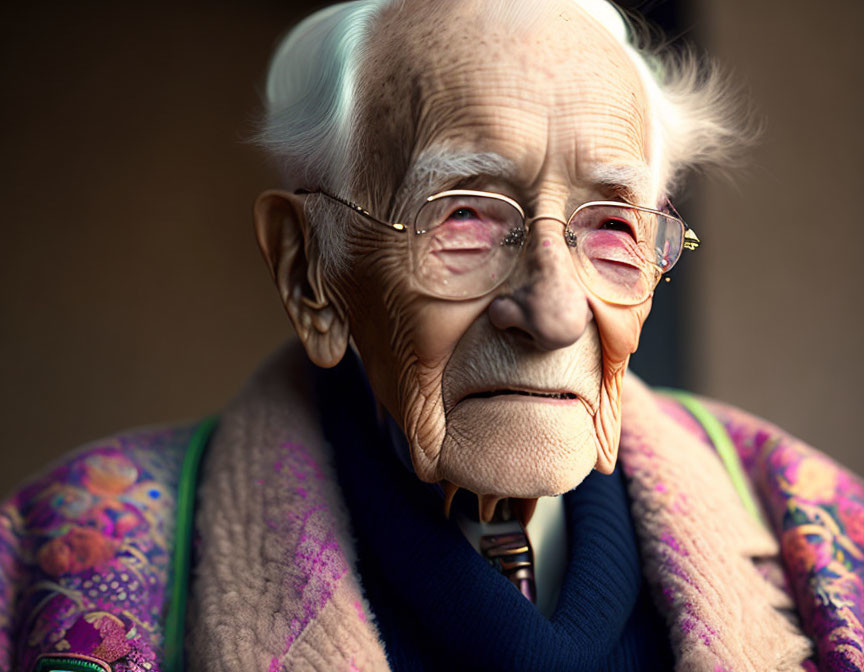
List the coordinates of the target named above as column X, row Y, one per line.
column 631, row 229
column 605, row 211
column 457, row 207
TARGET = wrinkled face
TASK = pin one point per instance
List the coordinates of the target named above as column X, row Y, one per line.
column 516, row 393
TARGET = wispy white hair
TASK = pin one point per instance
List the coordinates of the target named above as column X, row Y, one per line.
column 311, row 89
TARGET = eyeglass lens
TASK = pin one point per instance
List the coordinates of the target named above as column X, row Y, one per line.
column 466, row 245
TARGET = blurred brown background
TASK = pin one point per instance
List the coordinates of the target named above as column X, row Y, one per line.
column 131, row 291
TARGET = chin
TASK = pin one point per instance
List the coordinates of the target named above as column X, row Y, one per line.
column 518, row 447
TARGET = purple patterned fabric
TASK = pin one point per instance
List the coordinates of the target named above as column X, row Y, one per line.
column 85, row 552
column 816, row 509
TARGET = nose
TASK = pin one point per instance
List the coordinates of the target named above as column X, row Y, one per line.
column 548, row 304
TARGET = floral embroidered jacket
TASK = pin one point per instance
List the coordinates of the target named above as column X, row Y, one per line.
column 88, row 563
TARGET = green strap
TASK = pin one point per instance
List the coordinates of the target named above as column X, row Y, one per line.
column 722, row 444
column 175, row 622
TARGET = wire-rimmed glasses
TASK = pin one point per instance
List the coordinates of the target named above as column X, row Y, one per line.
column 465, row 243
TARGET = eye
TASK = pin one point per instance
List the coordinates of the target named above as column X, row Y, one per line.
column 617, row 224
column 462, row 214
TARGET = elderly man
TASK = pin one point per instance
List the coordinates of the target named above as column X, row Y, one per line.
column 474, row 219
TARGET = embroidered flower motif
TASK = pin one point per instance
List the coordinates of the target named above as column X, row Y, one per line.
column 99, row 634
column 108, row 475
column 149, row 495
column 70, row 501
column 114, row 519
column 816, row 508
column 851, row 514
column 93, row 540
column 805, row 553
column 78, row 549
column 814, row 480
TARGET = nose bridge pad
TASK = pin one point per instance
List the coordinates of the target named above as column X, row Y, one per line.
column 535, row 244
column 531, row 221
column 535, row 272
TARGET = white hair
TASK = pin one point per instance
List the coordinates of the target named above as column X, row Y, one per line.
column 311, row 90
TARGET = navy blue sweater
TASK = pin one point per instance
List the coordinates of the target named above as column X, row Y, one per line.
column 439, row 605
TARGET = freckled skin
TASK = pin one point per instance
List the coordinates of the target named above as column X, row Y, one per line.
column 557, row 100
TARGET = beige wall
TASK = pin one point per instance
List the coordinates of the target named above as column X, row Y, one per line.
column 131, row 290
column 778, row 295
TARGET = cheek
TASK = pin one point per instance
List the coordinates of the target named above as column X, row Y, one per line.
column 439, row 326
column 405, row 340
column 391, row 318
column 620, row 328
column 427, row 345
column 436, row 327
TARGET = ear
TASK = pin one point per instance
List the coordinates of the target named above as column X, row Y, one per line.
column 295, row 266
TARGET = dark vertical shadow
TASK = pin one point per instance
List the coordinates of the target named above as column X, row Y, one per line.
column 660, row 358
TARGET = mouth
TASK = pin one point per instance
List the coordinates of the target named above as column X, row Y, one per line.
column 536, row 394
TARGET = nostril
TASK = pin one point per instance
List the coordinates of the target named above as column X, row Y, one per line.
column 544, row 322
column 507, row 314
column 519, row 335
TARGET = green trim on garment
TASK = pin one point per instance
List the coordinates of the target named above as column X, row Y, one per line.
column 722, row 444
column 75, row 662
column 175, row 622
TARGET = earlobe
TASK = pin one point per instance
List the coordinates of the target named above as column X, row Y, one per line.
column 295, row 266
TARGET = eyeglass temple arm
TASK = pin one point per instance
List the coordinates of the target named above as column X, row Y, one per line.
column 691, row 240
column 356, row 208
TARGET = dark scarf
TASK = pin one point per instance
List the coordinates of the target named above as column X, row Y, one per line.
column 440, row 605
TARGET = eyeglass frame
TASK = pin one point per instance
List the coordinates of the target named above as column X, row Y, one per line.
column 689, row 240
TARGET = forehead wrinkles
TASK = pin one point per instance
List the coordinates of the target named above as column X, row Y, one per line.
column 454, row 75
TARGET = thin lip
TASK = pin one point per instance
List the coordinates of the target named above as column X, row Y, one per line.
column 526, row 390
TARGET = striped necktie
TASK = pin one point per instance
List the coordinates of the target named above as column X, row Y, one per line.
column 510, row 553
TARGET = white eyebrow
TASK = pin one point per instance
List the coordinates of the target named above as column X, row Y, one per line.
column 434, row 168
column 627, row 181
